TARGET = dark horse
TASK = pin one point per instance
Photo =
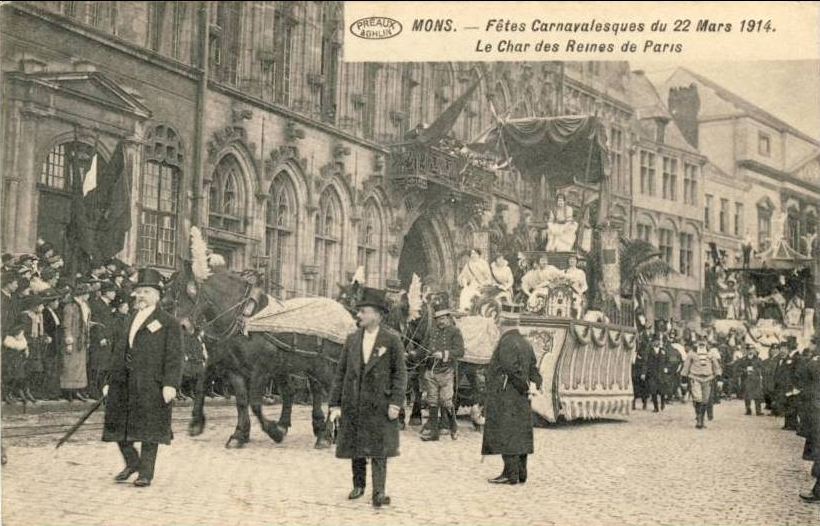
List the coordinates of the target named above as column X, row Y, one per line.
column 218, row 304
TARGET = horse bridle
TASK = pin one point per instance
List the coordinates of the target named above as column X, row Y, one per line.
column 235, row 324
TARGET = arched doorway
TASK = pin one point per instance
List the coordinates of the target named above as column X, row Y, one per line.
column 426, row 252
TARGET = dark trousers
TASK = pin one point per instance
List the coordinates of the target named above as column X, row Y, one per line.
column 515, row 467
column 379, row 467
column 748, row 402
column 655, row 397
column 143, row 461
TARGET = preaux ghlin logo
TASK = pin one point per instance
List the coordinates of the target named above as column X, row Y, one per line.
column 375, row 28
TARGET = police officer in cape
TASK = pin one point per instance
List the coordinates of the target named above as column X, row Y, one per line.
column 145, row 372
column 512, row 378
column 368, row 392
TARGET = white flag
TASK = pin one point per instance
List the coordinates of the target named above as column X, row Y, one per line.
column 90, row 179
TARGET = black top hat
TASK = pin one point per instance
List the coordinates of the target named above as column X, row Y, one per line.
column 148, row 277
column 108, row 286
column 371, row 297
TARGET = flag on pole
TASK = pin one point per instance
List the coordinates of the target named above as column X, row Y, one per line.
column 445, row 122
column 90, row 178
column 115, row 189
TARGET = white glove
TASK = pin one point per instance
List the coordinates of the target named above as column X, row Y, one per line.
column 169, row 393
column 335, row 413
column 393, row 412
column 105, row 391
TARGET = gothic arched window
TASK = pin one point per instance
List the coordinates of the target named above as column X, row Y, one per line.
column 328, row 241
column 369, row 254
column 280, row 235
column 159, row 198
column 226, row 196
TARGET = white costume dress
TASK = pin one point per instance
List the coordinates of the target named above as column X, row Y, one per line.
column 561, row 229
column 474, row 276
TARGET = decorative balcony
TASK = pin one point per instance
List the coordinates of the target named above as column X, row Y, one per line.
column 414, row 166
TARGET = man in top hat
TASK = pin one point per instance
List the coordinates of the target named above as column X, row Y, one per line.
column 750, row 370
column 445, row 348
column 367, row 394
column 145, row 373
column 655, row 367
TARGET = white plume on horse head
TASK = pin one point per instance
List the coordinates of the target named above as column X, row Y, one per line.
column 358, row 276
column 216, row 260
column 199, row 255
column 414, row 297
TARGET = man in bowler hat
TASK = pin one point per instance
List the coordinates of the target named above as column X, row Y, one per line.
column 367, row 395
column 145, row 373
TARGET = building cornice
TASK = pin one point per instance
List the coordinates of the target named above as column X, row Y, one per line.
column 296, row 116
column 106, row 39
column 776, row 174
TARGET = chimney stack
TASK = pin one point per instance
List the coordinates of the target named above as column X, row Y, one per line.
column 684, row 104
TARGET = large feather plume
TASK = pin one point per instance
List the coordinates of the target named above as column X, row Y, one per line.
column 358, row 276
column 199, row 255
column 414, row 297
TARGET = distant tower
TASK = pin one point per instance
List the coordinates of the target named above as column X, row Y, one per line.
column 684, row 104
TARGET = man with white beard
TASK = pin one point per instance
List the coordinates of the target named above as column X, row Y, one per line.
column 145, row 373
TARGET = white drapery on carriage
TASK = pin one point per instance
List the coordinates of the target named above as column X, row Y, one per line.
column 322, row 317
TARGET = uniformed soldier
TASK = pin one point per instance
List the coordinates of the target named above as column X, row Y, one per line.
column 701, row 367
column 446, row 347
column 750, row 370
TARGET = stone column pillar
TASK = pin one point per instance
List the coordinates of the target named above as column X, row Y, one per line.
column 132, row 149
column 25, row 236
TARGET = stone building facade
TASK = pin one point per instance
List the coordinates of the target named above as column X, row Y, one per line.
column 240, row 117
column 668, row 184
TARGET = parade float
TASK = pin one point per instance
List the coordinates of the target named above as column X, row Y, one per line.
column 564, row 293
column 765, row 298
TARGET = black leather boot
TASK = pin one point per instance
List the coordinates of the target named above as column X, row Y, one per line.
column 431, row 433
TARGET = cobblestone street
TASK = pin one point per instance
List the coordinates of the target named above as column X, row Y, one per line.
column 654, row 469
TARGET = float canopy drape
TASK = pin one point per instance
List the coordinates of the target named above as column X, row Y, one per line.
column 567, row 149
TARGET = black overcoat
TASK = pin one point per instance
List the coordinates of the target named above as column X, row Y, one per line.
column 813, row 423
column 657, row 368
column 750, row 371
column 508, row 427
column 135, row 410
column 364, row 393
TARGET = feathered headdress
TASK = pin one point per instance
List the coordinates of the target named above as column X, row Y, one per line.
column 199, row 255
column 414, row 297
column 358, row 276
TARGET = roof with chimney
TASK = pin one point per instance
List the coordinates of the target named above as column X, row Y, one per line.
column 649, row 106
column 731, row 104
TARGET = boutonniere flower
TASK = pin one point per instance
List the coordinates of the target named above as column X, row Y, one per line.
column 381, row 350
